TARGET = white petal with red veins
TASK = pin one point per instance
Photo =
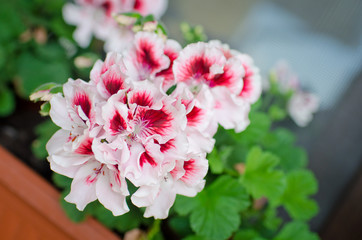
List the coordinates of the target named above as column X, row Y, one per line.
column 100, row 67
column 111, row 82
column 145, row 94
column 83, row 188
column 146, row 57
column 252, row 88
column 114, row 201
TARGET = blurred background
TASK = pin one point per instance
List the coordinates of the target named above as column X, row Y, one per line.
column 321, row 40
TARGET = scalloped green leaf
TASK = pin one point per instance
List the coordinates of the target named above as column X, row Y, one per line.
column 261, row 179
column 215, row 210
column 7, row 101
column 296, row 198
column 296, row 231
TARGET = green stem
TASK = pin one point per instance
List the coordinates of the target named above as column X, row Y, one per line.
column 155, row 228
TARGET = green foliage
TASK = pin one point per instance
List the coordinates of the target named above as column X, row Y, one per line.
column 43, row 131
column 7, row 101
column 30, row 53
column 192, row 34
column 261, row 179
column 35, row 70
column 296, row 231
column 214, row 213
column 300, row 185
column 247, row 234
column 217, row 159
column 277, row 113
column 194, row 237
column 181, row 225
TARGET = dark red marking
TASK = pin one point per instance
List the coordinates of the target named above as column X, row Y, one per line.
column 146, row 158
column 194, row 117
column 85, row 147
column 117, row 124
column 142, row 99
column 82, row 100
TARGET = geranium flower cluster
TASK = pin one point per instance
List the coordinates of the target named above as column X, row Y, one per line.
column 125, row 125
column 302, row 104
column 96, row 17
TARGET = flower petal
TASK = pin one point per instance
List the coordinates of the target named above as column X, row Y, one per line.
column 83, row 188
column 114, row 201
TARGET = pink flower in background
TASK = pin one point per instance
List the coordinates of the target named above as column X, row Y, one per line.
column 123, row 126
column 287, row 79
column 302, row 106
column 95, row 18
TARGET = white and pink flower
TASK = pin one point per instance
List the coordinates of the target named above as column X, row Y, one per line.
column 302, row 106
column 229, row 77
column 123, row 126
column 96, row 17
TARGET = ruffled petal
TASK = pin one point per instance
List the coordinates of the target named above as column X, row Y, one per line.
column 114, row 201
column 83, row 188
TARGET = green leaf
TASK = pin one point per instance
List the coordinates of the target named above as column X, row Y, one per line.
column 34, row 71
column 215, row 163
column 296, row 231
column 149, row 18
column 184, row 205
column 277, row 113
column 133, row 15
column 215, row 210
column 217, row 159
column 260, row 177
column 192, row 34
column 216, row 219
column 271, row 220
column 194, row 237
column 10, row 21
column 61, row 181
column 105, row 216
column 50, row 51
column 154, row 233
column 47, row 86
column 44, row 109
column 281, row 143
column 247, row 234
column 44, row 131
column 280, row 137
column 7, row 101
column 181, row 225
column 133, row 219
column 291, row 158
column 3, row 56
column 258, row 128
column 300, row 185
column 171, row 89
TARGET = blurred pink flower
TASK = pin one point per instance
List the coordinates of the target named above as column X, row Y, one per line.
column 302, row 106
column 96, row 17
